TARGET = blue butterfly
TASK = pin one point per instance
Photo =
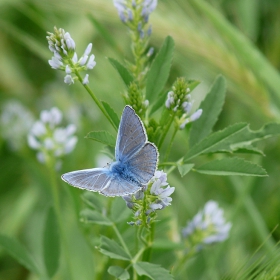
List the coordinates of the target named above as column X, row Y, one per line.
column 135, row 165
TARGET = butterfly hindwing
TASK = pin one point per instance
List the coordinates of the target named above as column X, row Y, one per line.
column 144, row 163
column 120, row 187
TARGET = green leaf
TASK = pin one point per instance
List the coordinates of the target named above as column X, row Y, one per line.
column 249, row 150
column 185, row 168
column 113, row 115
column 92, row 200
column 247, row 137
column 211, row 106
column 94, row 217
column 51, row 244
column 153, row 271
column 127, row 78
column 217, row 141
column 17, row 251
column 235, row 138
column 119, row 211
column 232, row 166
column 159, row 71
column 112, row 249
column 103, row 137
column 119, row 272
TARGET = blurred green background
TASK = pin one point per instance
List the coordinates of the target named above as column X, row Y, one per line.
column 237, row 38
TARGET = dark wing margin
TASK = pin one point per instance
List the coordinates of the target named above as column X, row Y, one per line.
column 131, row 135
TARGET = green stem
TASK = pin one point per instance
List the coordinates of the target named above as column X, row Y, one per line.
column 165, row 132
column 95, row 99
column 170, row 144
column 121, row 240
column 55, row 194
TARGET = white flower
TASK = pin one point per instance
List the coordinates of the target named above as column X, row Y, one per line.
column 162, row 194
column 50, row 140
column 209, row 224
column 15, row 122
column 91, row 63
column 68, row 80
column 64, row 56
column 85, row 80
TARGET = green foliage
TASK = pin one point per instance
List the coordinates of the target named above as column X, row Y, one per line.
column 185, row 168
column 231, row 166
column 119, row 272
column 123, row 72
column 212, row 107
column 16, row 250
column 206, row 44
column 102, row 137
column 159, row 72
column 51, row 243
column 153, row 271
column 112, row 249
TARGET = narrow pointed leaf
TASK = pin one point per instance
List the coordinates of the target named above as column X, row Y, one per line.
column 218, row 141
column 119, row 272
column 185, row 168
column 232, row 166
column 17, row 251
column 113, row 115
column 51, row 244
column 159, row 71
column 212, row 107
column 123, row 72
column 153, row 271
column 103, row 137
column 112, row 249
column 94, row 217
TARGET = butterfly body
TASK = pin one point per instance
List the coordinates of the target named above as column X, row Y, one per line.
column 135, row 165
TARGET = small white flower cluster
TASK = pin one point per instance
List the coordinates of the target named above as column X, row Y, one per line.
column 186, row 104
column 15, row 122
column 66, row 59
column 50, row 140
column 157, row 198
column 125, row 9
column 208, row 226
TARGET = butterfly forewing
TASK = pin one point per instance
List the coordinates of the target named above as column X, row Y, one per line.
column 131, row 136
column 91, row 179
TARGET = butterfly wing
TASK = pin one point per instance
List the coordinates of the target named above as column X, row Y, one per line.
column 94, row 179
column 100, row 180
column 118, row 186
column 144, row 163
column 133, row 149
column 131, row 135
